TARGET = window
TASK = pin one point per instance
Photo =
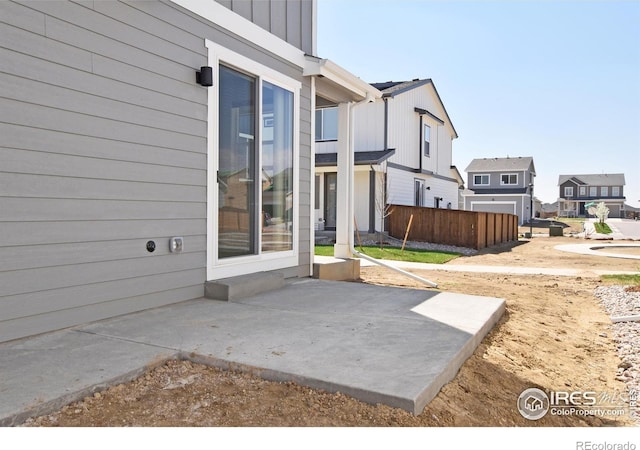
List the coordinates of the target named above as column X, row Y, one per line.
column 604, row 191
column 508, row 179
column 568, row 191
column 481, row 180
column 615, row 191
column 419, row 188
column 583, row 191
column 277, row 168
column 426, row 140
column 255, row 165
column 327, row 124
column 252, row 166
column 593, row 191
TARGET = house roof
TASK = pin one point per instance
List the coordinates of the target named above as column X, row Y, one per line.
column 501, row 164
column 602, row 179
column 359, row 158
column 393, row 88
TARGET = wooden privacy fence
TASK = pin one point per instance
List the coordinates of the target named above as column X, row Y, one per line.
column 468, row 229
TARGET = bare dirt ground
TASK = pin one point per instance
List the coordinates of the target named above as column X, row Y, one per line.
column 554, row 335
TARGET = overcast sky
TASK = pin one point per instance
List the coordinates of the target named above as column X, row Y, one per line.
column 558, row 81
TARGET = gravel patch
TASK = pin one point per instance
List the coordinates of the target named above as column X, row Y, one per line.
column 422, row 246
column 625, row 301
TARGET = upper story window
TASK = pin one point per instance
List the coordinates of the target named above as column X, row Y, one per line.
column 615, row 191
column 327, row 124
column 593, row 191
column 568, row 191
column 426, row 140
column 481, row 180
column 508, row 179
column 583, row 191
column 604, row 191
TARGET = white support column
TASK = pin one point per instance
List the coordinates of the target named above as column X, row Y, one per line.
column 344, row 202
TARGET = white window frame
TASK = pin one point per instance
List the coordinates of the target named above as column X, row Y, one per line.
column 583, row 191
column 227, row 267
column 426, row 141
column 604, row 191
column 568, row 191
column 482, row 175
column 593, row 191
column 615, row 191
column 502, row 183
column 322, row 122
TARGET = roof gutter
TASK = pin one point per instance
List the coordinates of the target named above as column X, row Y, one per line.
column 359, row 90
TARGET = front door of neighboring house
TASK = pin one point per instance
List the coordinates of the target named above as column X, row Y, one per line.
column 330, row 190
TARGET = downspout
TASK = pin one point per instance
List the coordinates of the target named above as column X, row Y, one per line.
column 403, row 272
column 385, row 98
column 353, row 250
column 420, row 143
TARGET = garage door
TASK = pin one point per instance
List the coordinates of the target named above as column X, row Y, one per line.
column 494, row 207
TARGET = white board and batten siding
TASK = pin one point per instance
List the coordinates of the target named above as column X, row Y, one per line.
column 402, row 189
column 104, row 148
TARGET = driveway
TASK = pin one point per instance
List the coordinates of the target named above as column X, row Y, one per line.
column 630, row 229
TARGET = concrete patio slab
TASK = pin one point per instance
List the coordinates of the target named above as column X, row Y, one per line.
column 378, row 344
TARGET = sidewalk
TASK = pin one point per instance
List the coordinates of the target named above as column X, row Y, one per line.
column 510, row 270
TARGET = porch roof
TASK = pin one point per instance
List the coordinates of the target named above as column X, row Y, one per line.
column 359, row 158
column 336, row 83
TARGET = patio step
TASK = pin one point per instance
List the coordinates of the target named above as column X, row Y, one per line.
column 243, row 286
column 336, row 269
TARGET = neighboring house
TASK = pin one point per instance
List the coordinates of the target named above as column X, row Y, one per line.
column 578, row 192
column 501, row 185
column 110, row 148
column 549, row 210
column 403, row 154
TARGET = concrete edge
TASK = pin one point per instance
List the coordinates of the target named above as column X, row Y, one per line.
column 363, row 395
column 51, row 406
column 452, row 369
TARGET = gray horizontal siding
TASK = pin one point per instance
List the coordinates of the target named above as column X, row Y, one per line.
column 67, row 143
column 55, row 320
column 22, row 305
column 64, row 231
column 31, row 257
column 104, row 147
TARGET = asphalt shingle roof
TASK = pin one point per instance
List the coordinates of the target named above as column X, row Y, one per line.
column 598, row 179
column 500, row 164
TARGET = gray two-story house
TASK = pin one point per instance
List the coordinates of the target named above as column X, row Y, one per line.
column 579, row 192
column 150, row 149
column 502, row 185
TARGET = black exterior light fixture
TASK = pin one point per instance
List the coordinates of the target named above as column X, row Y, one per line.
column 204, row 76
